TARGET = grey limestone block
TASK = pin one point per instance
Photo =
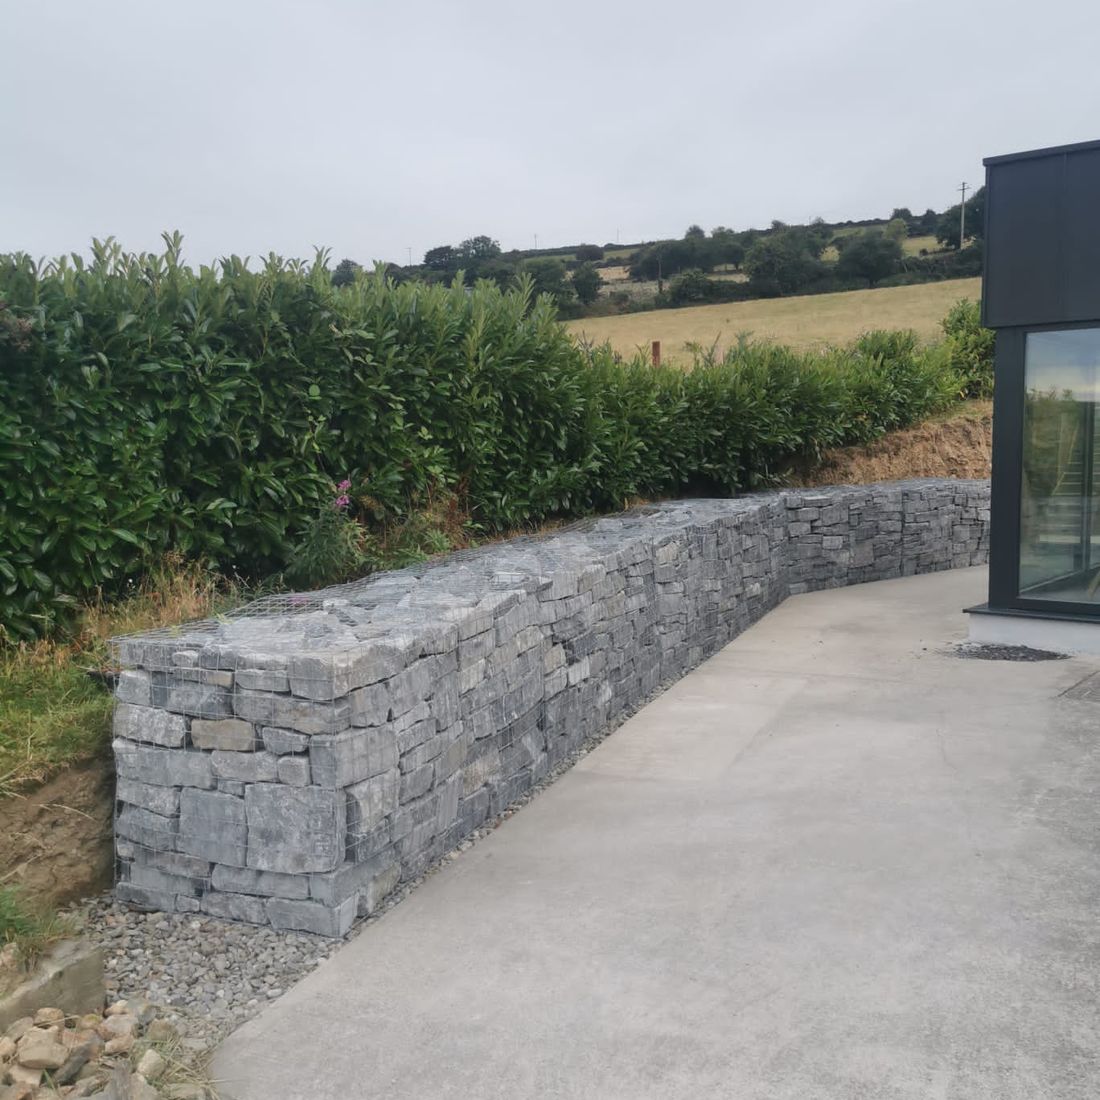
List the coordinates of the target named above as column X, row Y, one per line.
column 412, row 737
column 175, row 863
column 334, row 675
column 215, row 677
column 450, row 794
column 303, row 715
column 228, row 734
column 351, row 756
column 268, row 884
column 422, row 753
column 374, row 892
column 295, row 829
column 162, row 767
column 293, row 770
column 147, row 829
column 416, row 782
column 152, row 878
column 160, row 800
column 245, row 767
column 134, row 686
column 158, row 727
column 243, row 907
column 370, row 801
column 473, row 809
column 141, row 897
column 212, row 826
column 280, row 741
column 312, row 916
column 262, row 679
column 365, row 845
column 451, row 757
column 196, row 700
column 336, row 886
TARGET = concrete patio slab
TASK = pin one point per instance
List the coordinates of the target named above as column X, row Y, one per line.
column 835, row 861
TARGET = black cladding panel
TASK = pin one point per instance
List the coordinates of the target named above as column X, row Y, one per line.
column 1082, row 234
column 1042, row 249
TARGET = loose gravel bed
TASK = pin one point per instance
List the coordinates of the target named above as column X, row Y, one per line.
column 208, row 975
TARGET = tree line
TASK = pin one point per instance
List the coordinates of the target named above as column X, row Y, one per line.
column 780, row 260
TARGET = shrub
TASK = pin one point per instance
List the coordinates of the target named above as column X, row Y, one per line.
column 694, row 287
column 586, row 283
column 870, row 255
column 146, row 408
column 588, row 253
column 970, row 347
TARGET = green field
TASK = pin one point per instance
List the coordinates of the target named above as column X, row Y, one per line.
column 811, row 321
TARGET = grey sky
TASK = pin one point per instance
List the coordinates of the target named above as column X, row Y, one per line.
column 259, row 125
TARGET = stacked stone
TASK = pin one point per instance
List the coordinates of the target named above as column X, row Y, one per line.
column 292, row 764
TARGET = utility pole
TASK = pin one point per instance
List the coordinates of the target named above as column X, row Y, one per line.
column 409, row 250
column 536, row 242
column 962, row 214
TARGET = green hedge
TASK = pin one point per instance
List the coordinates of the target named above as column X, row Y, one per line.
column 145, row 407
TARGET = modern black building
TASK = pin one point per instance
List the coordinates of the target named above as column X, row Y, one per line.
column 1041, row 293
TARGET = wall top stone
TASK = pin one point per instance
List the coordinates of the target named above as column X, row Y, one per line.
column 335, row 640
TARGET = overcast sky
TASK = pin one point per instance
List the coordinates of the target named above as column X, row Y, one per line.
column 371, row 128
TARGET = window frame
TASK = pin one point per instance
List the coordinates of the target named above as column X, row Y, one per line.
column 1008, row 442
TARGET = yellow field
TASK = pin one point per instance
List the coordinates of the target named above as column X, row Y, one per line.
column 911, row 246
column 813, row 321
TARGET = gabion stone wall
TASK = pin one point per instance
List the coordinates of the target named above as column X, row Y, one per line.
column 292, row 763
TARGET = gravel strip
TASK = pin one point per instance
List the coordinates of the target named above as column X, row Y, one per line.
column 208, row 975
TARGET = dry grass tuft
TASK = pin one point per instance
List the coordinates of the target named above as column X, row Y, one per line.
column 955, row 444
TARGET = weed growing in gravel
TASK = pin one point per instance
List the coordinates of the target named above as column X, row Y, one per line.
column 31, row 929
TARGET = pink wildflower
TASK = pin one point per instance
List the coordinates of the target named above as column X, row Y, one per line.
column 344, row 485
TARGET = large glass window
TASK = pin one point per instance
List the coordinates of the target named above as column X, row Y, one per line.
column 1059, row 510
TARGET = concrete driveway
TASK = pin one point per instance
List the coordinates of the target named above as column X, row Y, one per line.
column 834, row 861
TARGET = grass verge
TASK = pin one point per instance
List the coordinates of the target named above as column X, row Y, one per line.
column 55, row 702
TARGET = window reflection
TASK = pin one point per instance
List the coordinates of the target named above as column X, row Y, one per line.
column 1059, row 536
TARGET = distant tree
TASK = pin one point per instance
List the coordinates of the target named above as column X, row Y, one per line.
column 586, row 283
column 477, row 249
column 897, row 229
column 664, row 259
column 727, row 246
column 588, row 253
column 870, row 255
column 690, row 287
column 496, row 269
column 925, row 225
column 695, row 232
column 781, row 264
column 947, row 227
column 902, row 212
column 442, row 258
column 975, row 215
column 548, row 276
column 345, row 273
